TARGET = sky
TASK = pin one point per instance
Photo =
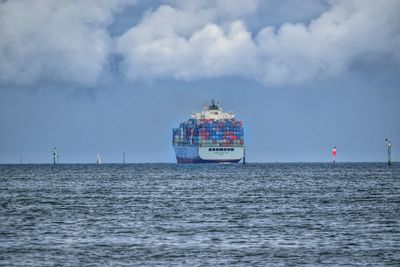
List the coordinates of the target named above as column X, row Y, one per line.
column 106, row 77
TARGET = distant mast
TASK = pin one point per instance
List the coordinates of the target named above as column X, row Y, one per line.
column 334, row 154
column 389, row 148
column 123, row 157
column 98, row 160
column 55, row 155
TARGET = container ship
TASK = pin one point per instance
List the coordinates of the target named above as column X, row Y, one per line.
column 209, row 136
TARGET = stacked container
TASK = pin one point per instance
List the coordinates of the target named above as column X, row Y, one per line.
column 209, row 133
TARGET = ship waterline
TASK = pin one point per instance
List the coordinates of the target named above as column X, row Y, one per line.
column 194, row 154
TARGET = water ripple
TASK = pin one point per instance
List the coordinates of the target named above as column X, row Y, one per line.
column 168, row 214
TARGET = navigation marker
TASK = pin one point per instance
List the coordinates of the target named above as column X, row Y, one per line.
column 334, row 154
column 389, row 147
column 55, row 155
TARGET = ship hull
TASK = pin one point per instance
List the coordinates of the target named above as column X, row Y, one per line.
column 194, row 154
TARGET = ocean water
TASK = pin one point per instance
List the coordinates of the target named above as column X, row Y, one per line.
column 191, row 215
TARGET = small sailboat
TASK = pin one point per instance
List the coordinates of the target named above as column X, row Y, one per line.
column 98, row 160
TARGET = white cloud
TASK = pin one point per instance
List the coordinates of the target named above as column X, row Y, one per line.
column 55, row 41
column 208, row 52
column 68, row 41
column 221, row 8
column 191, row 42
column 330, row 43
column 186, row 41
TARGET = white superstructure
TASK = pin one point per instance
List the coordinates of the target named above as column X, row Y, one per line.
column 212, row 112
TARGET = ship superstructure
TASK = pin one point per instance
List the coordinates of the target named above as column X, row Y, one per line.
column 209, row 136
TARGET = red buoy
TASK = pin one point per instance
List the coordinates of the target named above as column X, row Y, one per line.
column 334, row 154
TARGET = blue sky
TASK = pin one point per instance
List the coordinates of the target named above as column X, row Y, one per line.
column 116, row 76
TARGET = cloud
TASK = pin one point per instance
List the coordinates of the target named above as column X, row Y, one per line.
column 208, row 52
column 185, row 42
column 329, row 45
column 192, row 42
column 55, row 41
column 68, row 41
column 221, row 8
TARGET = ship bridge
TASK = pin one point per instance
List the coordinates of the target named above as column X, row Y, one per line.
column 214, row 112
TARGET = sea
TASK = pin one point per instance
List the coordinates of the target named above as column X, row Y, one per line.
column 273, row 214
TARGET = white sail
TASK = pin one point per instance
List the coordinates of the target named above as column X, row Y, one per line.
column 98, row 161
